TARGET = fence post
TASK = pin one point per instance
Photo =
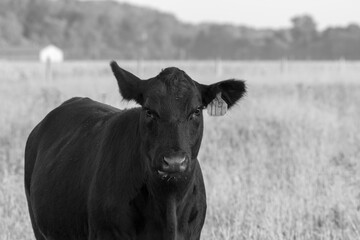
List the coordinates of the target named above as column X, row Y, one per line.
column 218, row 67
column 139, row 66
column 48, row 71
column 283, row 65
column 342, row 65
column 103, row 97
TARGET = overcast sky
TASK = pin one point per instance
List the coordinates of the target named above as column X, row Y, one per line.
column 259, row 13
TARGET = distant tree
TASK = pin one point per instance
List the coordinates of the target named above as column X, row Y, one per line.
column 339, row 42
column 181, row 43
column 10, row 30
column 109, row 29
column 214, row 41
column 304, row 29
column 37, row 10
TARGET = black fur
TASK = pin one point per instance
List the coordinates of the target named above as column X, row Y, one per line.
column 231, row 91
column 91, row 170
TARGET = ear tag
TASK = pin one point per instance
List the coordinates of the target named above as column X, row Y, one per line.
column 218, row 106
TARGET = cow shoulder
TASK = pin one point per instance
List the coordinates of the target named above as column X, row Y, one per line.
column 120, row 172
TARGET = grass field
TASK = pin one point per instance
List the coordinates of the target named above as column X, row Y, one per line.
column 283, row 164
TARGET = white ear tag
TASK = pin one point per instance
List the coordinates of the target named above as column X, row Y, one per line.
column 218, row 106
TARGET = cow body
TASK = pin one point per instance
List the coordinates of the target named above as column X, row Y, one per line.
column 93, row 171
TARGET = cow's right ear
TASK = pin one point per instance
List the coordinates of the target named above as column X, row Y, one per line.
column 130, row 86
column 230, row 91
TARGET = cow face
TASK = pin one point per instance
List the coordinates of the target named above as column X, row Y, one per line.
column 171, row 119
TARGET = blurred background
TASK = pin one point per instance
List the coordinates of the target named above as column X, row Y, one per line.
column 283, row 164
column 133, row 29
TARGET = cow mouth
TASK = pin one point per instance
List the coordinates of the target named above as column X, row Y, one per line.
column 161, row 173
column 169, row 176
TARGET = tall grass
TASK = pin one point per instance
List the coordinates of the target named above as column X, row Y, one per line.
column 283, row 164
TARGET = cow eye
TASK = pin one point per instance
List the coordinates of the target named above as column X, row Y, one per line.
column 149, row 113
column 196, row 113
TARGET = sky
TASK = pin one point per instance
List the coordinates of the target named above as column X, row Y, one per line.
column 259, row 13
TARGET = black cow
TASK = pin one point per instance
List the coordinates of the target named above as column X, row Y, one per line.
column 93, row 171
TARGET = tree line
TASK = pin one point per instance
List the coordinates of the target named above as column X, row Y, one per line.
column 108, row 29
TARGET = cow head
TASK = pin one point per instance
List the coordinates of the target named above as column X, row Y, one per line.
column 171, row 119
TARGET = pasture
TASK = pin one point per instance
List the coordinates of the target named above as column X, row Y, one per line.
column 282, row 164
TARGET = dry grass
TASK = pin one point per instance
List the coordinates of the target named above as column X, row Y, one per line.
column 283, row 164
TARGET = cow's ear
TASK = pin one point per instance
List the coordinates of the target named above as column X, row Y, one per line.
column 231, row 91
column 130, row 86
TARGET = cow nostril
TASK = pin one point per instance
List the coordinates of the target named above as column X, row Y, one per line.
column 165, row 162
column 183, row 162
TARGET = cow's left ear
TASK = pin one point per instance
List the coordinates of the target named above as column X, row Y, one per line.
column 130, row 86
column 231, row 91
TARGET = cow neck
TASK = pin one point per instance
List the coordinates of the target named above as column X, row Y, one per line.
column 171, row 218
column 171, row 213
column 170, row 205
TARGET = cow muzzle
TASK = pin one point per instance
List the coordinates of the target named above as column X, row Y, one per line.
column 174, row 164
